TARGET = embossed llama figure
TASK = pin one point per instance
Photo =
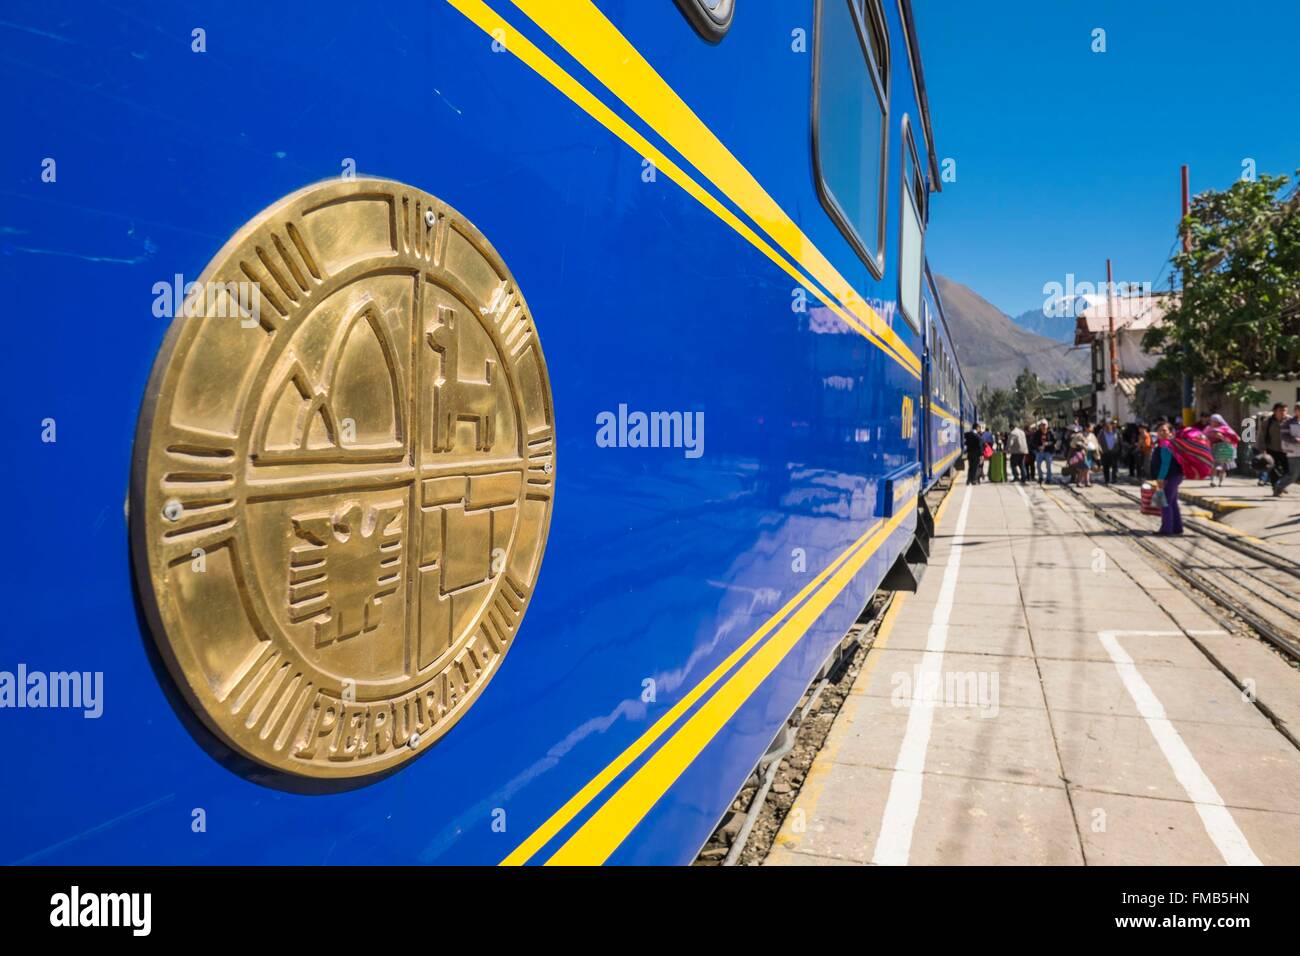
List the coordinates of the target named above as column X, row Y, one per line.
column 457, row 400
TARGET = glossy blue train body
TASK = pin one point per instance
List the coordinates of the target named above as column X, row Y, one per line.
column 658, row 565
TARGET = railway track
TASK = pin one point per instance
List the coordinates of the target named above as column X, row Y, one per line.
column 1235, row 543
column 1256, row 587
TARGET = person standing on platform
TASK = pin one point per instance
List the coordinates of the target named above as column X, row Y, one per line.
column 1168, row 476
column 1091, row 455
column 1076, row 455
column 1270, row 440
column 1018, row 450
column 1145, row 447
column 1291, row 450
column 974, row 456
column 1223, row 445
column 1043, row 444
column 1109, row 440
column 1131, row 457
column 986, row 436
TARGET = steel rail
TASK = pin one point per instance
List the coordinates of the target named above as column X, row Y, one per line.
column 1236, row 544
column 1287, row 644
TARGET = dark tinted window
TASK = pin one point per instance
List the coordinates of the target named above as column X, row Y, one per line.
column 911, row 254
column 852, row 97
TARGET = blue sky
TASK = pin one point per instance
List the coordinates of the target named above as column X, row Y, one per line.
column 1065, row 156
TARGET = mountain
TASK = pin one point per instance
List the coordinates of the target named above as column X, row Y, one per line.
column 1058, row 327
column 993, row 349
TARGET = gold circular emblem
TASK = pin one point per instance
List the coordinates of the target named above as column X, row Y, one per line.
column 343, row 478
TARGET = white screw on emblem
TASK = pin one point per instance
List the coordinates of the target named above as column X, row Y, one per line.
column 414, row 741
column 546, row 468
column 172, row 510
column 429, row 218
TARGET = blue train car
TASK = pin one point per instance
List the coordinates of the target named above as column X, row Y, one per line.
column 947, row 410
column 585, row 392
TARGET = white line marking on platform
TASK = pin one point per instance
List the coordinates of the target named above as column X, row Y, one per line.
column 1218, row 821
column 894, row 844
column 1023, row 497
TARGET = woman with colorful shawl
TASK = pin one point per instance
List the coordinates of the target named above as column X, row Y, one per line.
column 1223, row 444
column 1168, row 476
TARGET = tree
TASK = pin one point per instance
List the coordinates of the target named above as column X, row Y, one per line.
column 1239, row 314
column 1027, row 396
column 995, row 407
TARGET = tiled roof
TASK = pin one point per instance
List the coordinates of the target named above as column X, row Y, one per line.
column 1132, row 314
column 1128, row 384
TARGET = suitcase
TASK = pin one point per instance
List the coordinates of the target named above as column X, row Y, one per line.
column 998, row 467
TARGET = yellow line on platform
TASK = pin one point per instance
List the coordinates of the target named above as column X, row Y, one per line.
column 1229, row 529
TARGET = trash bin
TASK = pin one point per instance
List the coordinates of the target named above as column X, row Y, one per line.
column 998, row 467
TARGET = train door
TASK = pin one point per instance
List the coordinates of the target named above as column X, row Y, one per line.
column 927, row 386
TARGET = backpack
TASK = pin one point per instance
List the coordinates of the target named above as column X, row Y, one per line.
column 1192, row 451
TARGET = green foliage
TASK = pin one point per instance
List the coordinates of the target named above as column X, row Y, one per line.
column 1028, row 396
column 1000, row 408
column 1239, row 314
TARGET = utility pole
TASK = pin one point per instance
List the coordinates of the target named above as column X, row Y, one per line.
column 1110, row 309
column 1189, row 411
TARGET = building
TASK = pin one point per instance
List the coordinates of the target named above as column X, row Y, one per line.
column 1240, row 414
column 1119, row 363
column 1068, row 403
column 1113, row 392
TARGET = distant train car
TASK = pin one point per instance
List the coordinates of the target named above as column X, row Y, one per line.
column 946, row 406
column 454, row 431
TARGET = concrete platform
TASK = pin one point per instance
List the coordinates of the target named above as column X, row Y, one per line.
column 1048, row 697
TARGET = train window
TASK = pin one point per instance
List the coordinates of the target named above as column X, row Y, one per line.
column 850, row 109
column 938, row 379
column 911, row 242
column 938, row 368
column 935, row 355
column 942, row 365
column 711, row 18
